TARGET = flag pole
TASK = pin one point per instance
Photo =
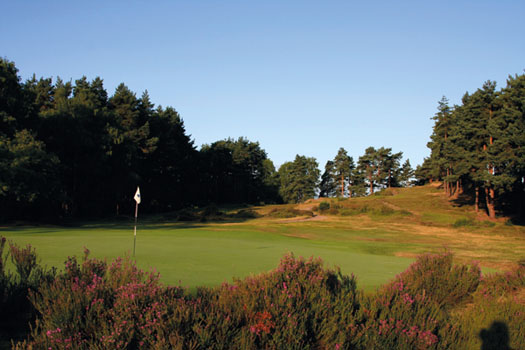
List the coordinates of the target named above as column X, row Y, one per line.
column 137, row 202
column 135, row 230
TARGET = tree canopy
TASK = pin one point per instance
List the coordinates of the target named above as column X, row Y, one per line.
column 477, row 148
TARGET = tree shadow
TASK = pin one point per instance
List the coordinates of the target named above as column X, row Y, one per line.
column 496, row 337
column 463, row 200
column 146, row 223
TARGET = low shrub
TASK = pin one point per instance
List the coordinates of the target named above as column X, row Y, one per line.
column 246, row 214
column 467, row 222
column 384, row 211
column 287, row 212
column 324, row 206
column 16, row 311
column 438, row 277
column 187, row 215
column 500, row 284
column 497, row 313
column 411, row 312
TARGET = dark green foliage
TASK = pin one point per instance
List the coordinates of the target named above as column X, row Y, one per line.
column 238, row 171
column 69, row 150
column 16, row 311
column 324, row 206
column 380, row 168
column 477, row 148
column 299, row 179
column 328, row 186
column 246, row 214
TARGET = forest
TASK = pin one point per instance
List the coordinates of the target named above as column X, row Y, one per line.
column 70, row 150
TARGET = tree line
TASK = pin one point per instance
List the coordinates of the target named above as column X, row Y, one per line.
column 478, row 148
column 68, row 149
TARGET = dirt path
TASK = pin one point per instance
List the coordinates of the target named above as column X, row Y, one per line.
column 305, row 219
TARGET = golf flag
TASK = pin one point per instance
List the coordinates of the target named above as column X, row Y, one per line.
column 137, row 195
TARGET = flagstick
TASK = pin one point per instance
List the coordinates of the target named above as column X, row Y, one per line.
column 135, row 230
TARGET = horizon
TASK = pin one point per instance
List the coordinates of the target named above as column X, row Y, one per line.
column 299, row 78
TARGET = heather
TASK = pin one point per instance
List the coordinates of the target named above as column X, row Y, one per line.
column 301, row 304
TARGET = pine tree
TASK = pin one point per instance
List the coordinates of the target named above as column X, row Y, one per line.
column 328, row 187
column 343, row 167
column 299, row 179
column 367, row 165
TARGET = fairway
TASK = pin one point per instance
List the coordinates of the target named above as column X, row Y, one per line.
column 204, row 254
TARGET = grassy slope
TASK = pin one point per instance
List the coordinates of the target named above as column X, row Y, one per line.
column 373, row 245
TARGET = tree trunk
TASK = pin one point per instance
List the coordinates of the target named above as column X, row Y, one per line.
column 389, row 178
column 476, row 203
column 489, row 198
column 456, row 189
column 446, row 184
column 342, row 186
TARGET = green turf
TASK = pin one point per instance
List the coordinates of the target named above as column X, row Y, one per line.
column 197, row 255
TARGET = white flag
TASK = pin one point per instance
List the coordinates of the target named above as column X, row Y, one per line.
column 137, row 196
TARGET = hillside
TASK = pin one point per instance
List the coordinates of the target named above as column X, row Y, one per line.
column 413, row 220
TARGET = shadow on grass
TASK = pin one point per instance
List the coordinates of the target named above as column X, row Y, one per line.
column 463, row 199
column 496, row 337
column 120, row 224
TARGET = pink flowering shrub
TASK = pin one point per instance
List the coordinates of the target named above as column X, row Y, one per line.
column 499, row 284
column 299, row 305
column 16, row 312
column 435, row 275
column 499, row 299
column 411, row 312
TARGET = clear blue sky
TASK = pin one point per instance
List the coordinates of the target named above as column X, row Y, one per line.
column 300, row 77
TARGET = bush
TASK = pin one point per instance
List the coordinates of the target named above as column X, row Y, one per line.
column 324, row 206
column 285, row 213
column 187, row 215
column 438, row 277
column 467, row 222
column 92, row 305
column 246, row 214
column 411, row 311
column 299, row 305
column 384, row 211
column 464, row 222
column 16, row 312
column 497, row 312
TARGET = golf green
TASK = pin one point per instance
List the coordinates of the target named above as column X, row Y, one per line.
column 206, row 255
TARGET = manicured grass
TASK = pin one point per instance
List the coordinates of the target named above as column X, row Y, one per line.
column 207, row 254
